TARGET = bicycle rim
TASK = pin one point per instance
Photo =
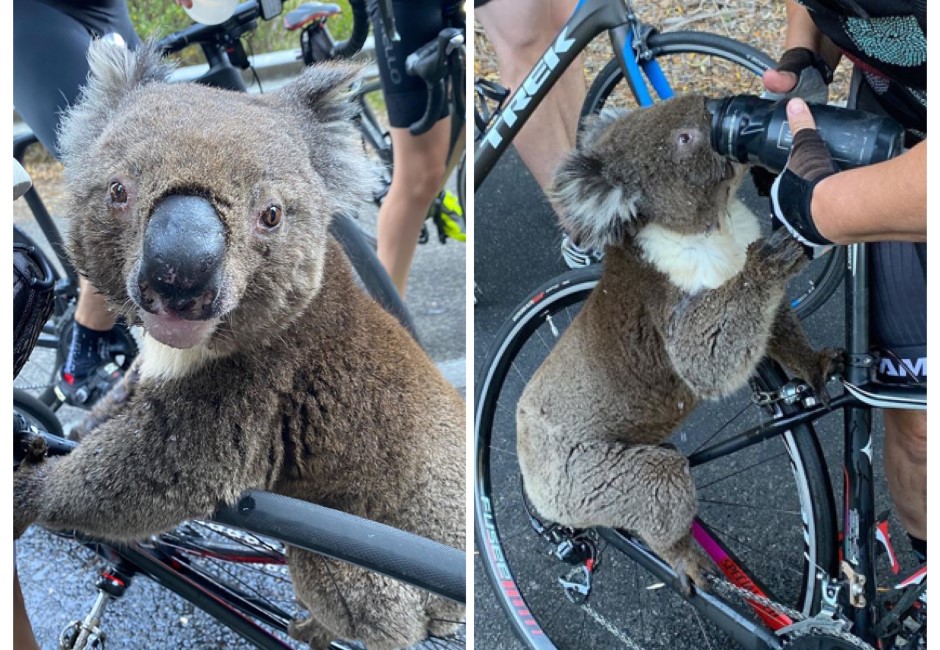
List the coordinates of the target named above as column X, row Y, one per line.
column 715, row 66
column 762, row 503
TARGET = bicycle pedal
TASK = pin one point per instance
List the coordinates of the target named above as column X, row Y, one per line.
column 71, row 634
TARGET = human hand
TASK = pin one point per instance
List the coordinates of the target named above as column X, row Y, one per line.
column 808, row 164
column 800, row 73
column 186, row 4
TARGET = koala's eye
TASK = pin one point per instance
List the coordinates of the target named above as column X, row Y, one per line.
column 117, row 193
column 271, row 216
column 685, row 137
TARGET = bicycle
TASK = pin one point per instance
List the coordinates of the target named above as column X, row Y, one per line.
column 206, row 562
column 222, row 46
column 783, row 582
column 440, row 64
column 646, row 66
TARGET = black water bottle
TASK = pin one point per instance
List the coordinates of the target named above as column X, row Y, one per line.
column 747, row 128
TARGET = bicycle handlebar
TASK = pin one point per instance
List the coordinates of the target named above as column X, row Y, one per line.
column 421, row 562
column 360, row 32
column 245, row 14
column 432, row 63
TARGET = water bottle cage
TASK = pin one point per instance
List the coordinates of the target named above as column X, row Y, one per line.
column 486, row 92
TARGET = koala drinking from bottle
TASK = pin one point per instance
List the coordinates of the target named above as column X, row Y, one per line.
column 203, row 214
column 690, row 299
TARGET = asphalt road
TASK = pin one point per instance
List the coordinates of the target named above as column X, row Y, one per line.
column 517, row 249
column 58, row 578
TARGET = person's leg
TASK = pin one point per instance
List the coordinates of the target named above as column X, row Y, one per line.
column 906, row 468
column 49, row 70
column 23, row 638
column 520, row 32
column 419, row 163
column 898, row 298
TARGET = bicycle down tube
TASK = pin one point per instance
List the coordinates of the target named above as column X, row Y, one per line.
column 590, row 18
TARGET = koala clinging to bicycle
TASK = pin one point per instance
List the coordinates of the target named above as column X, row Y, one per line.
column 690, row 300
column 203, row 214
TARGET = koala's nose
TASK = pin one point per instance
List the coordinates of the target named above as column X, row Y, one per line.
column 182, row 257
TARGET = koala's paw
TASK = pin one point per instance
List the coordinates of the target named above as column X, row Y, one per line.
column 829, row 362
column 780, row 255
column 34, row 450
column 690, row 564
column 310, row 632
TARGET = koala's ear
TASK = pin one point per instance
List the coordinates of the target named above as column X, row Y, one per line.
column 324, row 90
column 320, row 98
column 594, row 210
column 114, row 72
column 593, row 126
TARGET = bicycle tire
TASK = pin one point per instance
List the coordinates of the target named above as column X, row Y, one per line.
column 495, row 399
column 36, row 412
column 822, row 278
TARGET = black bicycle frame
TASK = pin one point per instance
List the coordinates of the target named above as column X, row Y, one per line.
column 589, row 19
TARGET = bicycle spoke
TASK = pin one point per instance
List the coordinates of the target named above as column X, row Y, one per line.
column 723, row 427
column 740, row 471
column 763, row 552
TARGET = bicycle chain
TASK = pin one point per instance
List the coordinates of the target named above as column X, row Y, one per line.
column 733, row 589
column 741, row 592
column 848, row 637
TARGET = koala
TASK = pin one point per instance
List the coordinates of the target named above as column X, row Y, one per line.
column 202, row 214
column 691, row 298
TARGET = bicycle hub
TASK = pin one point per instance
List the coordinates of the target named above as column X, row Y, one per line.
column 747, row 128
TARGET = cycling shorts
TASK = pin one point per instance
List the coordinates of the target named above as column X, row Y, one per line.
column 418, row 22
column 50, row 40
column 897, row 294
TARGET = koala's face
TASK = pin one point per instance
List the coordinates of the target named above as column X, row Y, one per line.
column 203, row 213
column 654, row 165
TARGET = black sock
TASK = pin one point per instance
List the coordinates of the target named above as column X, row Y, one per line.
column 919, row 546
column 87, row 350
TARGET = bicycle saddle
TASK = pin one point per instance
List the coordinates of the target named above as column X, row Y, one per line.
column 307, row 13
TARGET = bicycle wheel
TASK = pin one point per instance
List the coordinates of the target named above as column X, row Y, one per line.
column 770, row 506
column 712, row 65
column 252, row 570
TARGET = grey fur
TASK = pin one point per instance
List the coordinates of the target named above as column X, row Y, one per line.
column 306, row 388
column 643, row 351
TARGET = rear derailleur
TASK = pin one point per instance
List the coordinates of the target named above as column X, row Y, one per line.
column 578, row 548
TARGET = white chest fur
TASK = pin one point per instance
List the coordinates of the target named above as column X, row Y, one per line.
column 161, row 362
column 702, row 261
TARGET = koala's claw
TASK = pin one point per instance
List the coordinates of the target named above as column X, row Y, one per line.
column 830, row 362
column 310, row 632
column 781, row 253
column 691, row 565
